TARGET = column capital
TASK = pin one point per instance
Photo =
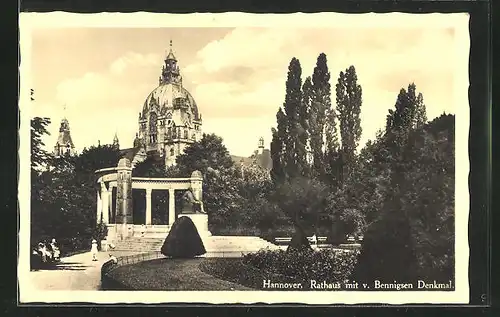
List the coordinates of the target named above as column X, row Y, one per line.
column 149, row 191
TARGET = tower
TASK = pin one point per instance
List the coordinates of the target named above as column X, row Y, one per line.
column 64, row 144
column 170, row 73
column 169, row 120
column 260, row 149
column 116, row 143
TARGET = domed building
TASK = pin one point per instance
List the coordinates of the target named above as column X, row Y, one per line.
column 169, row 120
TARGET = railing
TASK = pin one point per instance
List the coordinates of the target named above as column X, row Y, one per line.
column 288, row 239
column 108, row 283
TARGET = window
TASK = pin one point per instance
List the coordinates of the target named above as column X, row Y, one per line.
column 185, row 133
column 172, row 152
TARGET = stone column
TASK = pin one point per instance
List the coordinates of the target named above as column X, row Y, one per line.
column 124, row 197
column 171, row 206
column 99, row 207
column 148, row 206
column 110, row 202
column 104, row 202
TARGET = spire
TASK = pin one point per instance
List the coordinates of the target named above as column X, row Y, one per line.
column 116, row 143
column 171, row 55
column 170, row 70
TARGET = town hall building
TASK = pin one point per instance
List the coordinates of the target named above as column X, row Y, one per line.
column 169, row 120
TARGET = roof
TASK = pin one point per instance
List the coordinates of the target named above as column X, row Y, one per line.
column 263, row 160
column 162, row 99
column 130, row 153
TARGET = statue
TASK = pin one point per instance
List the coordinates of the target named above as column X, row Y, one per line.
column 190, row 205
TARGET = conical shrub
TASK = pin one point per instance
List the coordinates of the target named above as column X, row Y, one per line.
column 183, row 240
column 299, row 242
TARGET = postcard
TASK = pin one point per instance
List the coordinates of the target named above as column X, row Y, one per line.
column 242, row 158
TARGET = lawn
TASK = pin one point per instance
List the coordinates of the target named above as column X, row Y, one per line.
column 171, row 274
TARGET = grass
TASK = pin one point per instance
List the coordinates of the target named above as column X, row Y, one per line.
column 170, row 274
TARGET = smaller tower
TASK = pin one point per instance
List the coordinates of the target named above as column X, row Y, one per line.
column 116, row 143
column 64, row 144
column 261, row 146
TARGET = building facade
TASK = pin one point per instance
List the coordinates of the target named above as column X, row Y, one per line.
column 169, row 120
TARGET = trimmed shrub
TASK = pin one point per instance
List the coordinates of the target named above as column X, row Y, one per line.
column 183, row 240
column 299, row 242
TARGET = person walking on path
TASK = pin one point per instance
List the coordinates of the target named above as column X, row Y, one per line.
column 94, row 250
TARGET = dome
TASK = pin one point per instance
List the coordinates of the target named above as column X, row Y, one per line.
column 165, row 96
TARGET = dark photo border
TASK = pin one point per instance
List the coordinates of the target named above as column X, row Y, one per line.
column 480, row 137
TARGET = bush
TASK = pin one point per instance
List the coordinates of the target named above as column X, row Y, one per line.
column 299, row 242
column 183, row 240
column 324, row 265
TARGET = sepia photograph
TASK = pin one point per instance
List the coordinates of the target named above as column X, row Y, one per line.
column 244, row 158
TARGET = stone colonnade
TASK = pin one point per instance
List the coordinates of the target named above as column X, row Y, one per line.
column 121, row 179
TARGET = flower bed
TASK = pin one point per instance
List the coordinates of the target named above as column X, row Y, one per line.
column 325, row 264
column 254, row 270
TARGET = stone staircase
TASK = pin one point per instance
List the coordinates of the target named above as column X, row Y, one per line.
column 137, row 244
column 213, row 244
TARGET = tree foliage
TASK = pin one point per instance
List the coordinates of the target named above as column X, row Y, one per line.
column 289, row 145
column 320, row 107
column 63, row 196
column 39, row 156
column 349, row 99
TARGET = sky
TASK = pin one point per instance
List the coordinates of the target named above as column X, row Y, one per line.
column 99, row 78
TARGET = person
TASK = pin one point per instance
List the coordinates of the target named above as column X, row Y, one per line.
column 46, row 256
column 55, row 250
column 314, row 240
column 94, row 250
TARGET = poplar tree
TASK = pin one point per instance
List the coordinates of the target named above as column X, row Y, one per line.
column 320, row 105
column 294, row 149
column 421, row 112
column 277, row 149
column 349, row 100
column 307, row 122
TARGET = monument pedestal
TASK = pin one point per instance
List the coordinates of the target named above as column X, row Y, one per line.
column 201, row 223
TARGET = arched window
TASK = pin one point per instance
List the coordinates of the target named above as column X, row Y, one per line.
column 172, row 152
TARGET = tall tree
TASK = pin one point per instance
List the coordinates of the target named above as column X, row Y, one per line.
column 307, row 98
column 301, row 143
column 320, row 106
column 277, row 171
column 421, row 112
column 349, row 100
column 293, row 100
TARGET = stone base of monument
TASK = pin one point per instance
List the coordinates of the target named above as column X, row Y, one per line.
column 201, row 223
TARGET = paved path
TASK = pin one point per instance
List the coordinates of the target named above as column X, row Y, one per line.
column 77, row 272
